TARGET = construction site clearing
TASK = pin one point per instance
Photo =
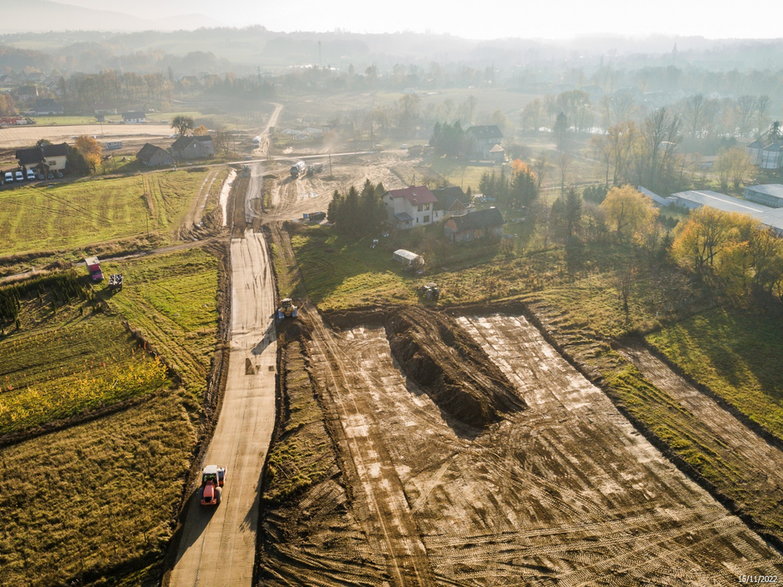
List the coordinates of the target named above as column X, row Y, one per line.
column 465, row 450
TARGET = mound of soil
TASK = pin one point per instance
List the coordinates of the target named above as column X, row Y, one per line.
column 440, row 357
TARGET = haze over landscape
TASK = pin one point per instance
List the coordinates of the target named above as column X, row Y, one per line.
column 559, row 19
column 421, row 293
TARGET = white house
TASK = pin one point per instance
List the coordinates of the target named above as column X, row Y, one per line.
column 410, row 207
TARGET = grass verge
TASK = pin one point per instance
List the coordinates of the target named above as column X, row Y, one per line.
column 736, row 355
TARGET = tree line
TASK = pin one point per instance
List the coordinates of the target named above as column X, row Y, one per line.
column 357, row 213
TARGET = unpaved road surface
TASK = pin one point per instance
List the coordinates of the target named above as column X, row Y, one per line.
column 290, row 198
column 218, row 544
column 25, row 136
column 563, row 492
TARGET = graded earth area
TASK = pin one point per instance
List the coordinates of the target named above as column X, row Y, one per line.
column 563, row 491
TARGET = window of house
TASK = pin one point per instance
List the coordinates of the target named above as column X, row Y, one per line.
column 420, row 207
column 426, row 219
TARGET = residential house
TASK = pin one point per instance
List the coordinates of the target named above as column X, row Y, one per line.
column 767, row 152
column 410, row 207
column 153, row 156
column 483, row 139
column 474, row 225
column 451, row 201
column 134, row 117
column 195, row 147
column 44, row 158
column 46, row 107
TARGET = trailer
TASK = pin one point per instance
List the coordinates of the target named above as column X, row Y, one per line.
column 409, row 260
column 94, row 268
column 313, row 217
column 299, row 169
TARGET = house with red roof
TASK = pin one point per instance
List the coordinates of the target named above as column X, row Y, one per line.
column 410, row 207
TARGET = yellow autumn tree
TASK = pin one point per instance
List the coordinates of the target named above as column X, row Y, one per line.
column 629, row 213
column 90, row 149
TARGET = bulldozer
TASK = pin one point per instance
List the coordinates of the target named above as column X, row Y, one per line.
column 287, row 309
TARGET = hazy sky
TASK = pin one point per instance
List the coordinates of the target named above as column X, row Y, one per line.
column 556, row 19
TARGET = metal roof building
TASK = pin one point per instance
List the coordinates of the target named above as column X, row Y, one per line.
column 771, row 217
column 770, row 194
column 658, row 200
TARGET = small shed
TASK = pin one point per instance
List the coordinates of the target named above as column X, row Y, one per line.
column 408, row 259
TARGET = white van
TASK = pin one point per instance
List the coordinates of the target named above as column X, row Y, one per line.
column 9, row 177
column 30, row 175
column 18, row 176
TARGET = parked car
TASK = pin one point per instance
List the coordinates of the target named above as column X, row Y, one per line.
column 9, row 177
column 18, row 176
column 30, row 175
column 59, row 174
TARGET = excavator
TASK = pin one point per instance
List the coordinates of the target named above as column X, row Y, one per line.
column 287, row 309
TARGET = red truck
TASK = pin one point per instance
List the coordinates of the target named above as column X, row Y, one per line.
column 212, row 479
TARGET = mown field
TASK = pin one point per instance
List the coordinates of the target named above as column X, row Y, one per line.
column 72, row 215
column 734, row 353
column 339, row 272
column 98, row 498
column 67, row 361
column 170, row 300
column 94, row 500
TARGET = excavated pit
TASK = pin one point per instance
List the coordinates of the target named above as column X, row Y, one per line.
column 435, row 353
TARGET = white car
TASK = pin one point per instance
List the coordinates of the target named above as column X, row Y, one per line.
column 18, row 176
column 9, row 177
column 30, row 175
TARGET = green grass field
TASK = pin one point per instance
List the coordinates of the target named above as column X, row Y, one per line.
column 170, row 299
column 72, row 215
column 340, row 273
column 735, row 354
column 463, row 175
column 95, row 499
column 68, row 361
column 98, row 499
column 302, row 455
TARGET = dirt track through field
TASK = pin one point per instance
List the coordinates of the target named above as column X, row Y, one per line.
column 566, row 491
column 217, row 546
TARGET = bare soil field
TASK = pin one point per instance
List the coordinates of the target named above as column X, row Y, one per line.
column 25, row 136
column 290, row 198
column 560, row 489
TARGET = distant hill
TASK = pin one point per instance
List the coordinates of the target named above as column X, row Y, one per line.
column 39, row 16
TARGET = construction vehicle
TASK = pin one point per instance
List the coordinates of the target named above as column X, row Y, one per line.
column 430, row 292
column 299, row 169
column 212, row 479
column 287, row 309
column 94, row 268
column 115, row 281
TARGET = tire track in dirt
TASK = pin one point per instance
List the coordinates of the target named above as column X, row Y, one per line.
column 564, row 492
column 376, row 485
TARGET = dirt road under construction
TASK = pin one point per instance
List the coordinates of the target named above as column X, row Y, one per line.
column 217, row 545
column 562, row 491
